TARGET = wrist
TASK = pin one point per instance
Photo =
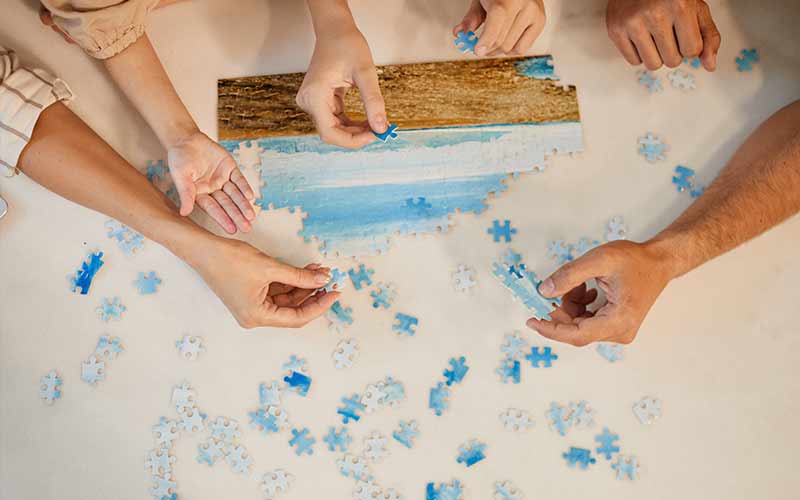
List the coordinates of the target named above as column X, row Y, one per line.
column 670, row 251
column 331, row 17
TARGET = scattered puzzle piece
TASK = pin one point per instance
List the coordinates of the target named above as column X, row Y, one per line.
column 165, row 432
column 405, row 324
column 298, row 382
column 463, row 278
column 506, row 491
column 366, row 490
column 302, row 442
column 339, row 317
column 295, row 364
column 746, row 60
column 85, row 275
column 693, row 62
column 361, row 277
column 515, row 346
column 159, row 462
column 147, row 284
column 237, row 459
column 337, row 439
column 516, row 420
column 353, row 467
column 269, row 395
column 263, row 421
column 190, row 347
column 626, row 467
column 611, row 351
column 651, row 147
column 545, row 357
column 647, row 410
column 210, row 451
column 616, row 229
column 444, row 491
column 111, row 309
column 350, row 409
column 650, row 81
column 503, row 231
column 225, row 429
column 163, row 486
column 345, row 353
column 375, row 447
column 383, row 296
column 681, row 80
column 275, row 482
column 509, row 370
column 50, row 387
column 558, row 417
column 471, row 453
column 92, row 371
column 466, row 42
column 437, row 400
column 457, row 371
column 580, row 456
column 607, row 446
column 407, row 433
column 108, row 347
column 128, row 240
column 560, row 251
column 581, row 415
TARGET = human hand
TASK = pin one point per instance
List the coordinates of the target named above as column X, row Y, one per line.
column 260, row 291
column 660, row 32
column 205, row 173
column 632, row 276
column 341, row 61
column 511, row 26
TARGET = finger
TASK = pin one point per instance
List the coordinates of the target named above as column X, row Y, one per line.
column 667, row 45
column 330, row 131
column 293, row 298
column 578, row 333
column 711, row 37
column 215, row 211
column 528, row 37
column 301, row 278
column 295, row 317
column 368, row 85
column 222, row 173
column 494, row 30
column 244, row 206
column 625, row 45
column 186, row 193
column 280, row 288
column 523, row 20
column 238, row 178
column 45, row 16
column 472, row 20
column 232, row 210
column 573, row 274
column 687, row 30
column 646, row 48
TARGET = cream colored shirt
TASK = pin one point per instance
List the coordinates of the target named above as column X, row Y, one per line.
column 103, row 28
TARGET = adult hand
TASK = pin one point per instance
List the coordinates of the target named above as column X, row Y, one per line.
column 341, row 61
column 260, row 291
column 205, row 173
column 632, row 276
column 660, row 32
column 510, row 26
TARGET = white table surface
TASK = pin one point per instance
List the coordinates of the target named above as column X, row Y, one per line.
column 720, row 347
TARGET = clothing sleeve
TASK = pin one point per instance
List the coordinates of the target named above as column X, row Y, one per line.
column 24, row 94
column 103, row 28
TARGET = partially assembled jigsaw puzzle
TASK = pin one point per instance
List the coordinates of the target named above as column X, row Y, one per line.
column 462, row 129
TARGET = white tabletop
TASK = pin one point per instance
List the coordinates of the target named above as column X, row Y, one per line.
column 719, row 348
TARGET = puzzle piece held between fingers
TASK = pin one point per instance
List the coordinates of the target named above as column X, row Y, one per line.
column 466, row 42
column 389, row 134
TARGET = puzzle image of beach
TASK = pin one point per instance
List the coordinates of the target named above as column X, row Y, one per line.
column 465, row 127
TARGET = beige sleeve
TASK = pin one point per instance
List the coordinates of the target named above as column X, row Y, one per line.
column 103, row 28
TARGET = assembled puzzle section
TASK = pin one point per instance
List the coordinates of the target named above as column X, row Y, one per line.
column 466, row 126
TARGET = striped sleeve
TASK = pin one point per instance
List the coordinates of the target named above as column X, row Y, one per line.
column 24, row 94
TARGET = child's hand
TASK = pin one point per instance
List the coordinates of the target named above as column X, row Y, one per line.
column 260, row 291
column 660, row 32
column 206, row 174
column 511, row 25
column 632, row 277
column 342, row 60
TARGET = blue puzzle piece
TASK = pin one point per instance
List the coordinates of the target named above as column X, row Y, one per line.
column 684, row 178
column 546, row 357
column 302, row 442
column 697, row 191
column 580, row 456
column 383, row 296
column 444, row 491
column 361, row 277
column 437, row 400
column 626, row 467
column 748, row 57
column 85, row 275
column 420, row 206
column 111, row 309
column 340, row 439
column 263, row 421
column 612, row 352
column 458, row 369
column 650, row 81
column 295, row 364
column 607, row 446
column 155, row 169
column 558, row 250
column 337, row 281
column 342, row 316
column 127, row 239
column 408, row 431
column 558, row 416
column 298, row 382
column 389, row 134
column 350, row 409
column 405, row 324
column 509, row 371
column 471, row 453
column 147, row 283
column 108, row 346
column 523, row 285
column 393, row 391
column 501, row 231
column 466, row 42
column 693, row 62
column 652, row 148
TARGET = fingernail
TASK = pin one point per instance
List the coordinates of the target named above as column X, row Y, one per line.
column 547, row 287
column 322, row 278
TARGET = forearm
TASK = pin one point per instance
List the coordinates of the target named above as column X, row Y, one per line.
column 757, row 189
column 138, row 72
column 330, row 16
column 68, row 158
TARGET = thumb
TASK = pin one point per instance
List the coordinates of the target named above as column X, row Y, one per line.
column 472, row 19
column 309, row 279
column 573, row 274
column 186, row 193
column 367, row 82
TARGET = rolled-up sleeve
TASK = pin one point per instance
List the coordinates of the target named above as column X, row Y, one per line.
column 24, row 94
column 103, row 28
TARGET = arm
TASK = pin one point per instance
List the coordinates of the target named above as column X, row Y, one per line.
column 341, row 61
column 68, row 158
column 757, row 189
